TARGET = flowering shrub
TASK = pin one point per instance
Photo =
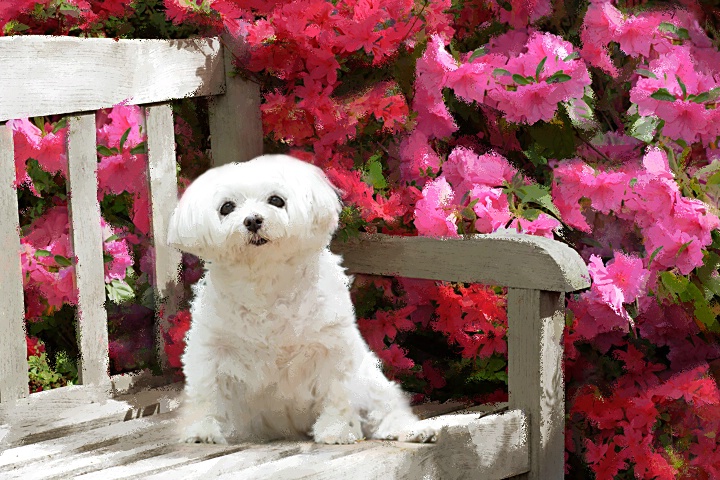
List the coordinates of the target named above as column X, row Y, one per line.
column 595, row 123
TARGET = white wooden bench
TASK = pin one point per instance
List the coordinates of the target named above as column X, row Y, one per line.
column 123, row 426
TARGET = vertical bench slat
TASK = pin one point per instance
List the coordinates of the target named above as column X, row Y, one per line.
column 236, row 133
column 88, row 249
column 535, row 379
column 13, row 361
column 163, row 198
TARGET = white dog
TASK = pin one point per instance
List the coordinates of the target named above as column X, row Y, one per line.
column 274, row 350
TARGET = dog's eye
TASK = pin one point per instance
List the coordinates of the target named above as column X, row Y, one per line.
column 276, row 201
column 227, row 208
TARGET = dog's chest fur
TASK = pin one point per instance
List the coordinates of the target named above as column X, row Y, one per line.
column 271, row 334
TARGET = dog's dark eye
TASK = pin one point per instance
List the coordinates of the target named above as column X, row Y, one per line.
column 227, row 208
column 276, row 201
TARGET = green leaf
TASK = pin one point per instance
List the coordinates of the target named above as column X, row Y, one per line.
column 505, row 5
column 374, row 173
column 119, row 291
column 62, row 123
column 539, row 68
column 668, row 27
column 702, row 310
column 572, row 56
column 62, row 261
column 644, row 128
column 708, row 273
column 538, row 194
column 501, row 72
column 531, row 214
column 714, row 179
column 645, row 73
column 105, row 151
column 663, row 95
column 124, row 138
column 682, row 85
column 42, row 253
column 520, row 80
column 138, row 149
column 559, row 77
column 674, row 284
column 479, row 52
column 111, row 238
column 654, row 254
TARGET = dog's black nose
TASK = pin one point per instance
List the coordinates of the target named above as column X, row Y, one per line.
column 253, row 223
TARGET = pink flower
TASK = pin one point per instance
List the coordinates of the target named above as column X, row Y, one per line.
column 543, row 226
column 624, row 274
column 113, row 124
column 46, row 147
column 464, row 169
column 471, row 80
column 417, row 158
column 491, row 208
column 122, row 173
column 434, row 213
column 531, row 95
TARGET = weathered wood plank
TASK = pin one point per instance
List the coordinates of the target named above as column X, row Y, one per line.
column 236, row 133
column 41, row 75
column 132, row 382
column 13, row 362
column 535, row 378
column 193, row 461
column 87, row 244
column 492, row 447
column 73, row 409
column 163, row 198
column 383, row 460
column 507, row 259
column 74, row 442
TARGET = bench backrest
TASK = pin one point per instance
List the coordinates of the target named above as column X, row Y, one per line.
column 75, row 77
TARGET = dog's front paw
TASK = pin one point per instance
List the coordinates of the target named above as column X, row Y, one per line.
column 405, row 428
column 206, row 430
column 337, row 429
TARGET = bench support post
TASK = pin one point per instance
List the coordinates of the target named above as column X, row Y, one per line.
column 536, row 320
column 13, row 360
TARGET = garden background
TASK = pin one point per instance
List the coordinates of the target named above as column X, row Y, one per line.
column 595, row 123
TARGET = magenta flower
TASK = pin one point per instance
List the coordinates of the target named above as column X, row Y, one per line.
column 464, row 169
column 491, row 208
column 435, row 212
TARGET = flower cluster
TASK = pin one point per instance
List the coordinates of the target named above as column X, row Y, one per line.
column 594, row 123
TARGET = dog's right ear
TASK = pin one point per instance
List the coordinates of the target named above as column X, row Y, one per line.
column 194, row 224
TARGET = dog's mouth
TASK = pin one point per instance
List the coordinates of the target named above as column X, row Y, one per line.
column 257, row 240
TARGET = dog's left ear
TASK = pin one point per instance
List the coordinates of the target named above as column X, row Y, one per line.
column 326, row 203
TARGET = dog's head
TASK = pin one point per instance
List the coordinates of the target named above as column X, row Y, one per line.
column 271, row 204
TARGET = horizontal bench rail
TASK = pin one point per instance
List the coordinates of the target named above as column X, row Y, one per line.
column 44, row 75
column 506, row 259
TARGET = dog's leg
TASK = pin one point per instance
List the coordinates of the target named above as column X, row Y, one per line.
column 338, row 421
column 203, row 412
column 389, row 416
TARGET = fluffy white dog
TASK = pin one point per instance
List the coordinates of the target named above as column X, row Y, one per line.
column 274, row 350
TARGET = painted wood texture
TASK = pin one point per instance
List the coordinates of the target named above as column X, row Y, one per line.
column 162, row 174
column 535, row 378
column 236, row 133
column 13, row 363
column 41, row 75
column 87, row 243
column 147, row 447
column 507, row 259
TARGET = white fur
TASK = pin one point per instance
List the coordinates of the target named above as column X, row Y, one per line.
column 274, row 350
